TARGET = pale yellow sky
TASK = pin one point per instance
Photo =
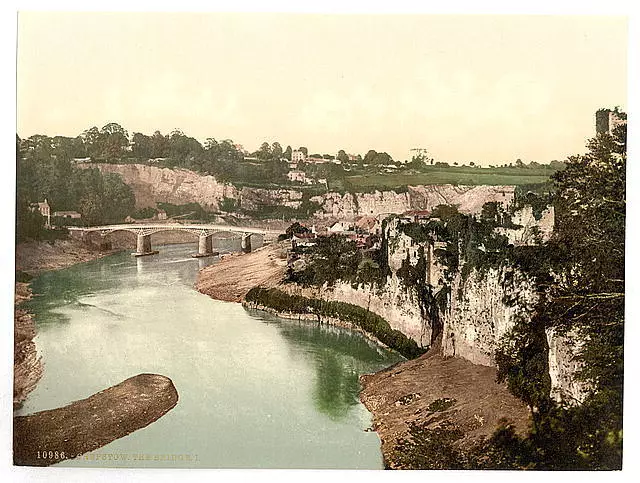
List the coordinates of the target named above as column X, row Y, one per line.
column 488, row 89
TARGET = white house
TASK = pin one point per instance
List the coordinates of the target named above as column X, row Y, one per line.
column 297, row 176
column 340, row 227
column 297, row 156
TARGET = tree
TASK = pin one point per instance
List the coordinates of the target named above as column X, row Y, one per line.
column 264, row 153
column 370, row 156
column 211, row 144
column 383, row 158
column 114, row 139
column 296, row 229
column 119, row 198
column 92, row 140
column 342, row 156
column 580, row 276
column 141, row 146
column 276, row 151
column 159, row 146
column 304, row 150
column 288, row 152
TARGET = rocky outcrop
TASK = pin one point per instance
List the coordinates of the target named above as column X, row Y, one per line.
column 480, row 309
column 531, row 230
column 252, row 199
column 152, row 184
column 563, row 366
column 478, row 316
column 27, row 366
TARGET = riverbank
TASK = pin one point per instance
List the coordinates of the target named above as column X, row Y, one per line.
column 438, row 394
column 235, row 274
column 33, row 258
column 311, row 318
column 27, row 366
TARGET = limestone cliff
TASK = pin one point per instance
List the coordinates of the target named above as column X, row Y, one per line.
column 479, row 309
column 479, row 314
column 393, row 302
column 152, row 184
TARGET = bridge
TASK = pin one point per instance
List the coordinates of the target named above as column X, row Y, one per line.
column 204, row 232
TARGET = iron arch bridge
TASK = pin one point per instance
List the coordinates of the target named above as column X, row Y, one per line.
column 204, row 232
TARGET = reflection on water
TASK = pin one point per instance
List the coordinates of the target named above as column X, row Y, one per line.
column 255, row 390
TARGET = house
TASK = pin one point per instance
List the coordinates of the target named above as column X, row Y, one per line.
column 369, row 225
column 340, row 227
column 297, row 156
column 418, row 215
column 68, row 214
column 162, row 215
column 297, row 176
column 303, row 240
column 361, row 240
column 44, row 209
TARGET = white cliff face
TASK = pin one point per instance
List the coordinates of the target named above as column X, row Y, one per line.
column 177, row 186
column 468, row 199
column 563, row 367
column 397, row 305
column 531, row 231
column 482, row 309
column 152, row 184
column 252, row 199
column 478, row 317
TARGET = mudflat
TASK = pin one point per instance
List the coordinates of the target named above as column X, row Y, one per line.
column 48, row 437
column 234, row 275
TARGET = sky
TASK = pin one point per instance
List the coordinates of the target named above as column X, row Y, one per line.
column 483, row 88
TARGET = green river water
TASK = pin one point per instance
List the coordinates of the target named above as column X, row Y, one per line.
column 255, row 391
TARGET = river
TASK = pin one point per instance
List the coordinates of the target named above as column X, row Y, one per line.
column 255, row 391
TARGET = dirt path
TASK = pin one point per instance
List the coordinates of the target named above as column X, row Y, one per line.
column 402, row 394
column 236, row 274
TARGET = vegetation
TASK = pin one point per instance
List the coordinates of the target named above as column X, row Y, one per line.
column 336, row 258
column 268, row 166
column 368, row 321
column 579, row 276
column 438, row 448
column 45, row 171
column 585, row 300
column 445, row 174
column 440, row 405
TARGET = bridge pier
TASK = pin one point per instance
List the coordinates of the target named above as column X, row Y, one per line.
column 205, row 246
column 246, row 242
column 143, row 246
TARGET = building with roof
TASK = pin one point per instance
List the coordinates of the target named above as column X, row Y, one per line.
column 44, row 209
